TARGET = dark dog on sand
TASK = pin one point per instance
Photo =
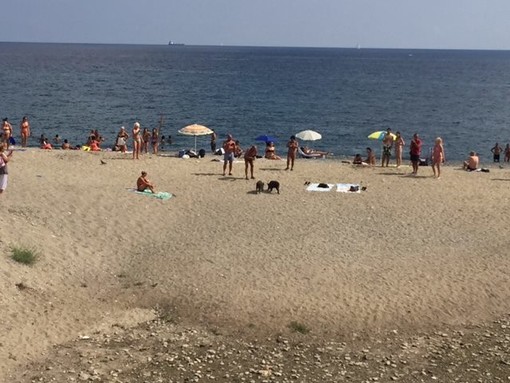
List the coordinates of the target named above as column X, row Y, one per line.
column 273, row 185
column 259, row 187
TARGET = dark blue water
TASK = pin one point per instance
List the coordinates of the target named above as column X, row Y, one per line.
column 345, row 94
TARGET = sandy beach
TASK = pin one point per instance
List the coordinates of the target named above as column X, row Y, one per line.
column 408, row 254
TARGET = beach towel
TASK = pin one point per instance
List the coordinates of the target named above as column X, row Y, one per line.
column 346, row 188
column 315, row 187
column 148, row 193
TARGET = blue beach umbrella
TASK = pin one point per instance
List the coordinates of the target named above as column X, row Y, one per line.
column 266, row 138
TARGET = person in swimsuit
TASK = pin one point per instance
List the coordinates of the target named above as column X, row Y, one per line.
column 142, row 183
column 370, row 157
column 214, row 136
column 146, row 137
column 66, row 145
column 387, row 145
column 249, row 158
column 415, row 151
column 229, row 146
column 7, row 130
column 507, row 153
column 270, row 153
column 4, row 158
column 399, row 147
column 137, row 140
column 472, row 162
column 292, row 147
column 25, row 131
column 438, row 157
column 155, row 140
column 496, row 151
column 121, row 141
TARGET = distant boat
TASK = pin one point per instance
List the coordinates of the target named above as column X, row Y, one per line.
column 175, row 44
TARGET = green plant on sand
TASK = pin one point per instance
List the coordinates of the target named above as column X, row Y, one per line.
column 24, row 255
column 299, row 327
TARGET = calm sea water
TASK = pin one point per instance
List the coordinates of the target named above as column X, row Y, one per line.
column 345, row 94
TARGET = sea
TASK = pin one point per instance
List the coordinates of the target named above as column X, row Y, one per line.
column 345, row 94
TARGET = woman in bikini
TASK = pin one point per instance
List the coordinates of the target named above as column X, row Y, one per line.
column 146, row 137
column 437, row 157
column 25, row 131
column 7, row 129
column 155, row 140
column 271, row 152
column 137, row 140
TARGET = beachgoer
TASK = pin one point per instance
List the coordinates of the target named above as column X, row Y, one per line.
column 66, row 145
column 214, row 136
column 137, row 140
column 25, row 131
column 4, row 159
column 496, row 151
column 415, row 151
column 386, row 148
column 438, row 157
column 312, row 152
column 229, row 147
column 399, row 148
column 169, row 140
column 94, row 145
column 57, row 140
column 507, row 153
column 472, row 162
column 238, row 152
column 357, row 160
column 155, row 140
column 7, row 132
column 292, row 147
column 46, row 145
column 42, row 139
column 270, row 153
column 142, row 183
column 370, row 157
column 249, row 158
column 146, row 137
column 121, row 142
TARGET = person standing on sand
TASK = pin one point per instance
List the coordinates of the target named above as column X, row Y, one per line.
column 7, row 131
column 292, row 147
column 415, row 151
column 25, row 131
column 249, row 159
column 214, row 136
column 137, row 140
column 142, row 183
column 155, row 140
column 122, row 138
column 4, row 158
column 399, row 148
column 438, row 157
column 229, row 146
column 507, row 153
column 496, row 151
column 387, row 145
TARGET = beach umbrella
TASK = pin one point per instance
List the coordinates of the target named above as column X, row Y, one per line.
column 309, row 135
column 379, row 135
column 266, row 138
column 195, row 130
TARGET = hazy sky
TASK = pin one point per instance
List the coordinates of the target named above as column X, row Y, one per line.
column 449, row 24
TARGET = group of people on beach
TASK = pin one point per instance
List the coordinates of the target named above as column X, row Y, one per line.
column 7, row 133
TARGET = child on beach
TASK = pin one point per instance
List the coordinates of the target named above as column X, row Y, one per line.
column 437, row 157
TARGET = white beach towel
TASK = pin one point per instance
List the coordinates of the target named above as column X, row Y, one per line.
column 346, row 188
column 315, row 187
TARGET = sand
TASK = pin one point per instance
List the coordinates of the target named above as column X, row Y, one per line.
column 409, row 253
